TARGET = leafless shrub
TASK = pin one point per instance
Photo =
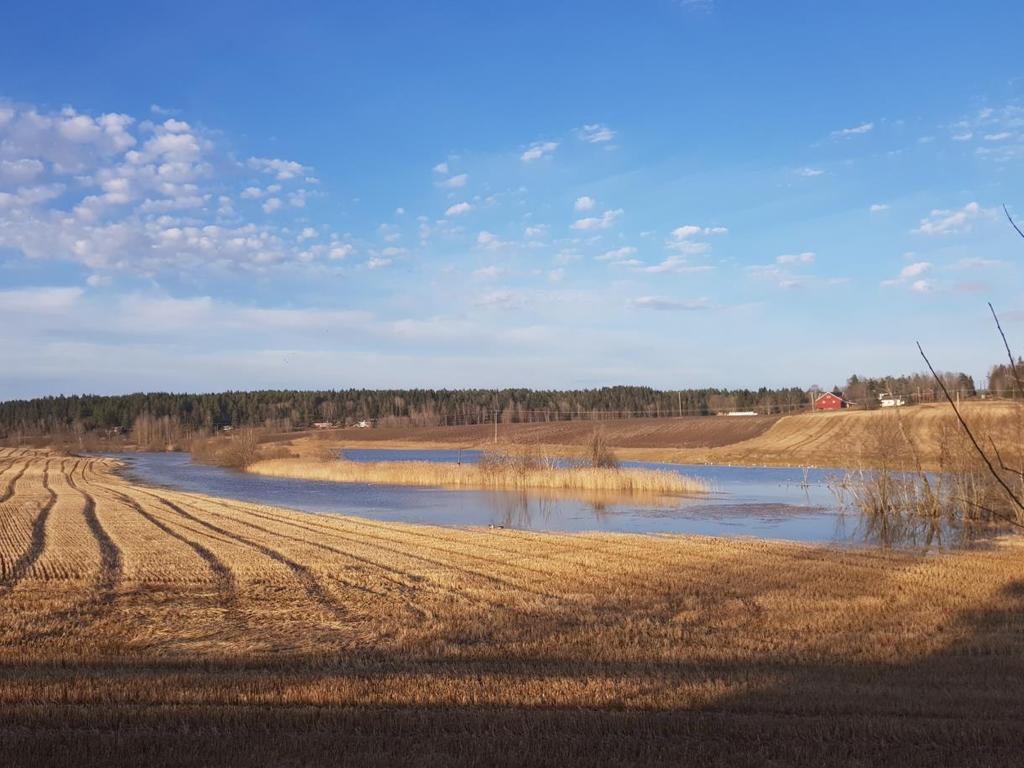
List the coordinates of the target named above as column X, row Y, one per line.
column 158, row 433
column 600, row 453
column 238, row 450
column 900, row 504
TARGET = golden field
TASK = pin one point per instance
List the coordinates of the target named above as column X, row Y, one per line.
column 822, row 439
column 142, row 626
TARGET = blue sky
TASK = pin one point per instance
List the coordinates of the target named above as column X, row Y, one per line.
column 505, row 194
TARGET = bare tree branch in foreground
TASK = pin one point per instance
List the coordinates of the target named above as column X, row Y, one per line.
column 974, row 441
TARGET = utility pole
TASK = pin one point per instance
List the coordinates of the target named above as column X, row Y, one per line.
column 679, row 399
column 495, row 425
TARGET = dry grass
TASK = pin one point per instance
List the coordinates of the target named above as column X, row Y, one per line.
column 901, row 503
column 833, row 439
column 148, row 627
column 237, row 450
column 498, row 474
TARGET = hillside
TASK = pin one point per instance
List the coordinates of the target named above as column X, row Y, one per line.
column 839, row 439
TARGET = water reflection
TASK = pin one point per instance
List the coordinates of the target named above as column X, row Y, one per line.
column 899, row 518
column 536, row 508
column 758, row 502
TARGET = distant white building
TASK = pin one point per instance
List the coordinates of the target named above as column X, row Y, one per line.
column 890, row 401
column 364, row 424
column 741, row 413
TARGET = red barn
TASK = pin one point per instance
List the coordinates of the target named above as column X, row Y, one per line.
column 829, row 402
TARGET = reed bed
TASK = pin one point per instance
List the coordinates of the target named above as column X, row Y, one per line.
column 493, row 475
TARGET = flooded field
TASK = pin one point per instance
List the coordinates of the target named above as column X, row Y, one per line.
column 761, row 502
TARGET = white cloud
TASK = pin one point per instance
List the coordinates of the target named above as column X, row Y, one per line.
column 282, row 170
column 603, row 222
column 176, row 126
column 912, row 274
column 915, row 269
column 489, row 273
column 26, row 197
column 538, row 150
column 39, row 300
column 110, row 194
column 489, row 240
column 782, row 278
column 675, row 264
column 19, row 171
column 809, row 172
column 618, row 254
column 377, row 262
column 308, row 233
column 455, row 181
column 441, row 168
column 878, row 207
column 671, row 305
column 807, row 257
column 975, row 262
column 685, row 231
column 584, row 203
column 1000, row 128
column 502, row 299
column 536, row 231
column 458, row 209
column 596, row 133
column 681, row 240
column 339, row 251
column 858, row 130
column 950, row 222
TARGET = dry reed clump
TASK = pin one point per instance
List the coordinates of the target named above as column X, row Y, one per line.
column 599, row 452
column 238, row 450
column 519, row 470
column 145, row 626
column 900, row 503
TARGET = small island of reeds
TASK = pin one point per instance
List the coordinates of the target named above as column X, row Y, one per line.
column 509, row 467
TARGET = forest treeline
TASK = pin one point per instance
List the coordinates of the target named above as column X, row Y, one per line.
column 292, row 409
column 284, row 409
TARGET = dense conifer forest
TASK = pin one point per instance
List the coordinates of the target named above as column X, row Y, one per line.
column 295, row 409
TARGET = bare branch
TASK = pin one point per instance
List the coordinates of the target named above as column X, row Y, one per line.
column 1002, row 464
column 1012, row 222
column 974, row 441
column 1009, row 354
column 998, row 515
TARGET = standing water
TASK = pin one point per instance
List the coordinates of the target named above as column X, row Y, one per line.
column 770, row 503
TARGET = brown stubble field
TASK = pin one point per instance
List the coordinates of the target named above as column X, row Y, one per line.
column 822, row 439
column 142, row 626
